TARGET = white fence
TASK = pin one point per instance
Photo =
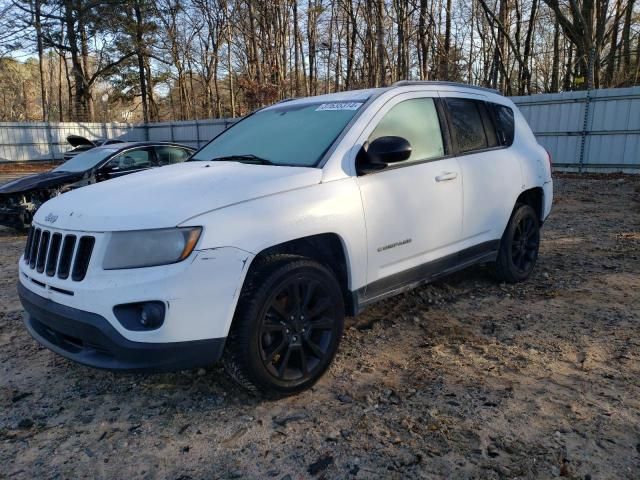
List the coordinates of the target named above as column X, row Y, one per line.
column 584, row 131
column 597, row 131
column 47, row 141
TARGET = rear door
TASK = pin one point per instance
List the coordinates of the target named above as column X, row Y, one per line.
column 492, row 174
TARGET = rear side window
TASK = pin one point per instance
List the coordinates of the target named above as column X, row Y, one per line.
column 505, row 124
column 466, row 123
column 417, row 121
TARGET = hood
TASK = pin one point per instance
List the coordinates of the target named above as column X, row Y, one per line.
column 167, row 196
column 79, row 140
column 40, row 180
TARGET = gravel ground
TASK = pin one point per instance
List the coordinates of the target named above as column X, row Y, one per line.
column 465, row 378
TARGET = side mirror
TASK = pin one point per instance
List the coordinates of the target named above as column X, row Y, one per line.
column 381, row 152
column 106, row 170
column 384, row 150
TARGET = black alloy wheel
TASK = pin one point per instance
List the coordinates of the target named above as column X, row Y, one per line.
column 525, row 243
column 296, row 331
column 519, row 246
column 287, row 326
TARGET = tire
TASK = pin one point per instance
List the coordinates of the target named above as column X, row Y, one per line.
column 287, row 326
column 519, row 246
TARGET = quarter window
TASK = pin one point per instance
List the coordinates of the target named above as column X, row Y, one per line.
column 466, row 123
column 505, row 124
column 417, row 121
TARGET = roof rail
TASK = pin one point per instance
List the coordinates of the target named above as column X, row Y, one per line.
column 406, row 83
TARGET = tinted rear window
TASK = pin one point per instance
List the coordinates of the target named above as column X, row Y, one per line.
column 504, row 122
column 466, row 123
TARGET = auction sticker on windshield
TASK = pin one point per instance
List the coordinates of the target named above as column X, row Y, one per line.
column 339, row 106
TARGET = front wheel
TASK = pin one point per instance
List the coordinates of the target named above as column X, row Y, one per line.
column 519, row 246
column 287, row 326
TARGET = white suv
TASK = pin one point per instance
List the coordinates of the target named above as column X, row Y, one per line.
column 301, row 213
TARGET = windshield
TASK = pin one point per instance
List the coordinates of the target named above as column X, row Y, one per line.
column 86, row 160
column 294, row 135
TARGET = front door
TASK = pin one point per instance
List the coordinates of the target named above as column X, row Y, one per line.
column 130, row 161
column 413, row 209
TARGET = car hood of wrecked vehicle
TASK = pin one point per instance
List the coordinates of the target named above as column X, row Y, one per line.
column 40, row 180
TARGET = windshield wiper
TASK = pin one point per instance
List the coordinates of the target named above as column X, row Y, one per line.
column 246, row 158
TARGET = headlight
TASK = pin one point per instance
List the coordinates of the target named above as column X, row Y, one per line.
column 150, row 248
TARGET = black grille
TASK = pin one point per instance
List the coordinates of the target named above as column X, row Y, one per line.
column 27, row 247
column 64, row 267
column 42, row 251
column 53, row 254
column 83, row 255
column 34, row 248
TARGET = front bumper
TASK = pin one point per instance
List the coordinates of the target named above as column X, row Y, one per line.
column 199, row 293
column 90, row 339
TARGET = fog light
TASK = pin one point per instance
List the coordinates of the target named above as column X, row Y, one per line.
column 151, row 315
column 140, row 316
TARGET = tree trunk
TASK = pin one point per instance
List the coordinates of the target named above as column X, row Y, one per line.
column 525, row 87
column 140, row 53
column 296, row 50
column 555, row 67
column 446, row 54
column 43, row 89
column 382, row 71
column 626, row 42
column 566, row 82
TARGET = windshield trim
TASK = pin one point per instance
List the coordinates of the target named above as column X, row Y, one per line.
column 324, row 156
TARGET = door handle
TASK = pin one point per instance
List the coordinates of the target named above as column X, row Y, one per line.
column 446, row 176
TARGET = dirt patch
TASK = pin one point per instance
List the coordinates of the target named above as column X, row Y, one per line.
column 462, row 378
column 16, row 168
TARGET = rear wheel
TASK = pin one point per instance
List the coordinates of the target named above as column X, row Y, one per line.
column 287, row 326
column 519, row 246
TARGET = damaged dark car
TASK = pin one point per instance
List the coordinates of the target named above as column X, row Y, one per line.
column 19, row 199
column 82, row 144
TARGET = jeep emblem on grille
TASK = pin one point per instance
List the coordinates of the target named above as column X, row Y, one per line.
column 51, row 218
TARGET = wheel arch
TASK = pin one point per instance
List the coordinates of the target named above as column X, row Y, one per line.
column 534, row 197
column 329, row 249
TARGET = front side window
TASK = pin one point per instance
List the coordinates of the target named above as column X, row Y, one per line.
column 290, row 134
column 466, row 123
column 133, row 159
column 417, row 121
